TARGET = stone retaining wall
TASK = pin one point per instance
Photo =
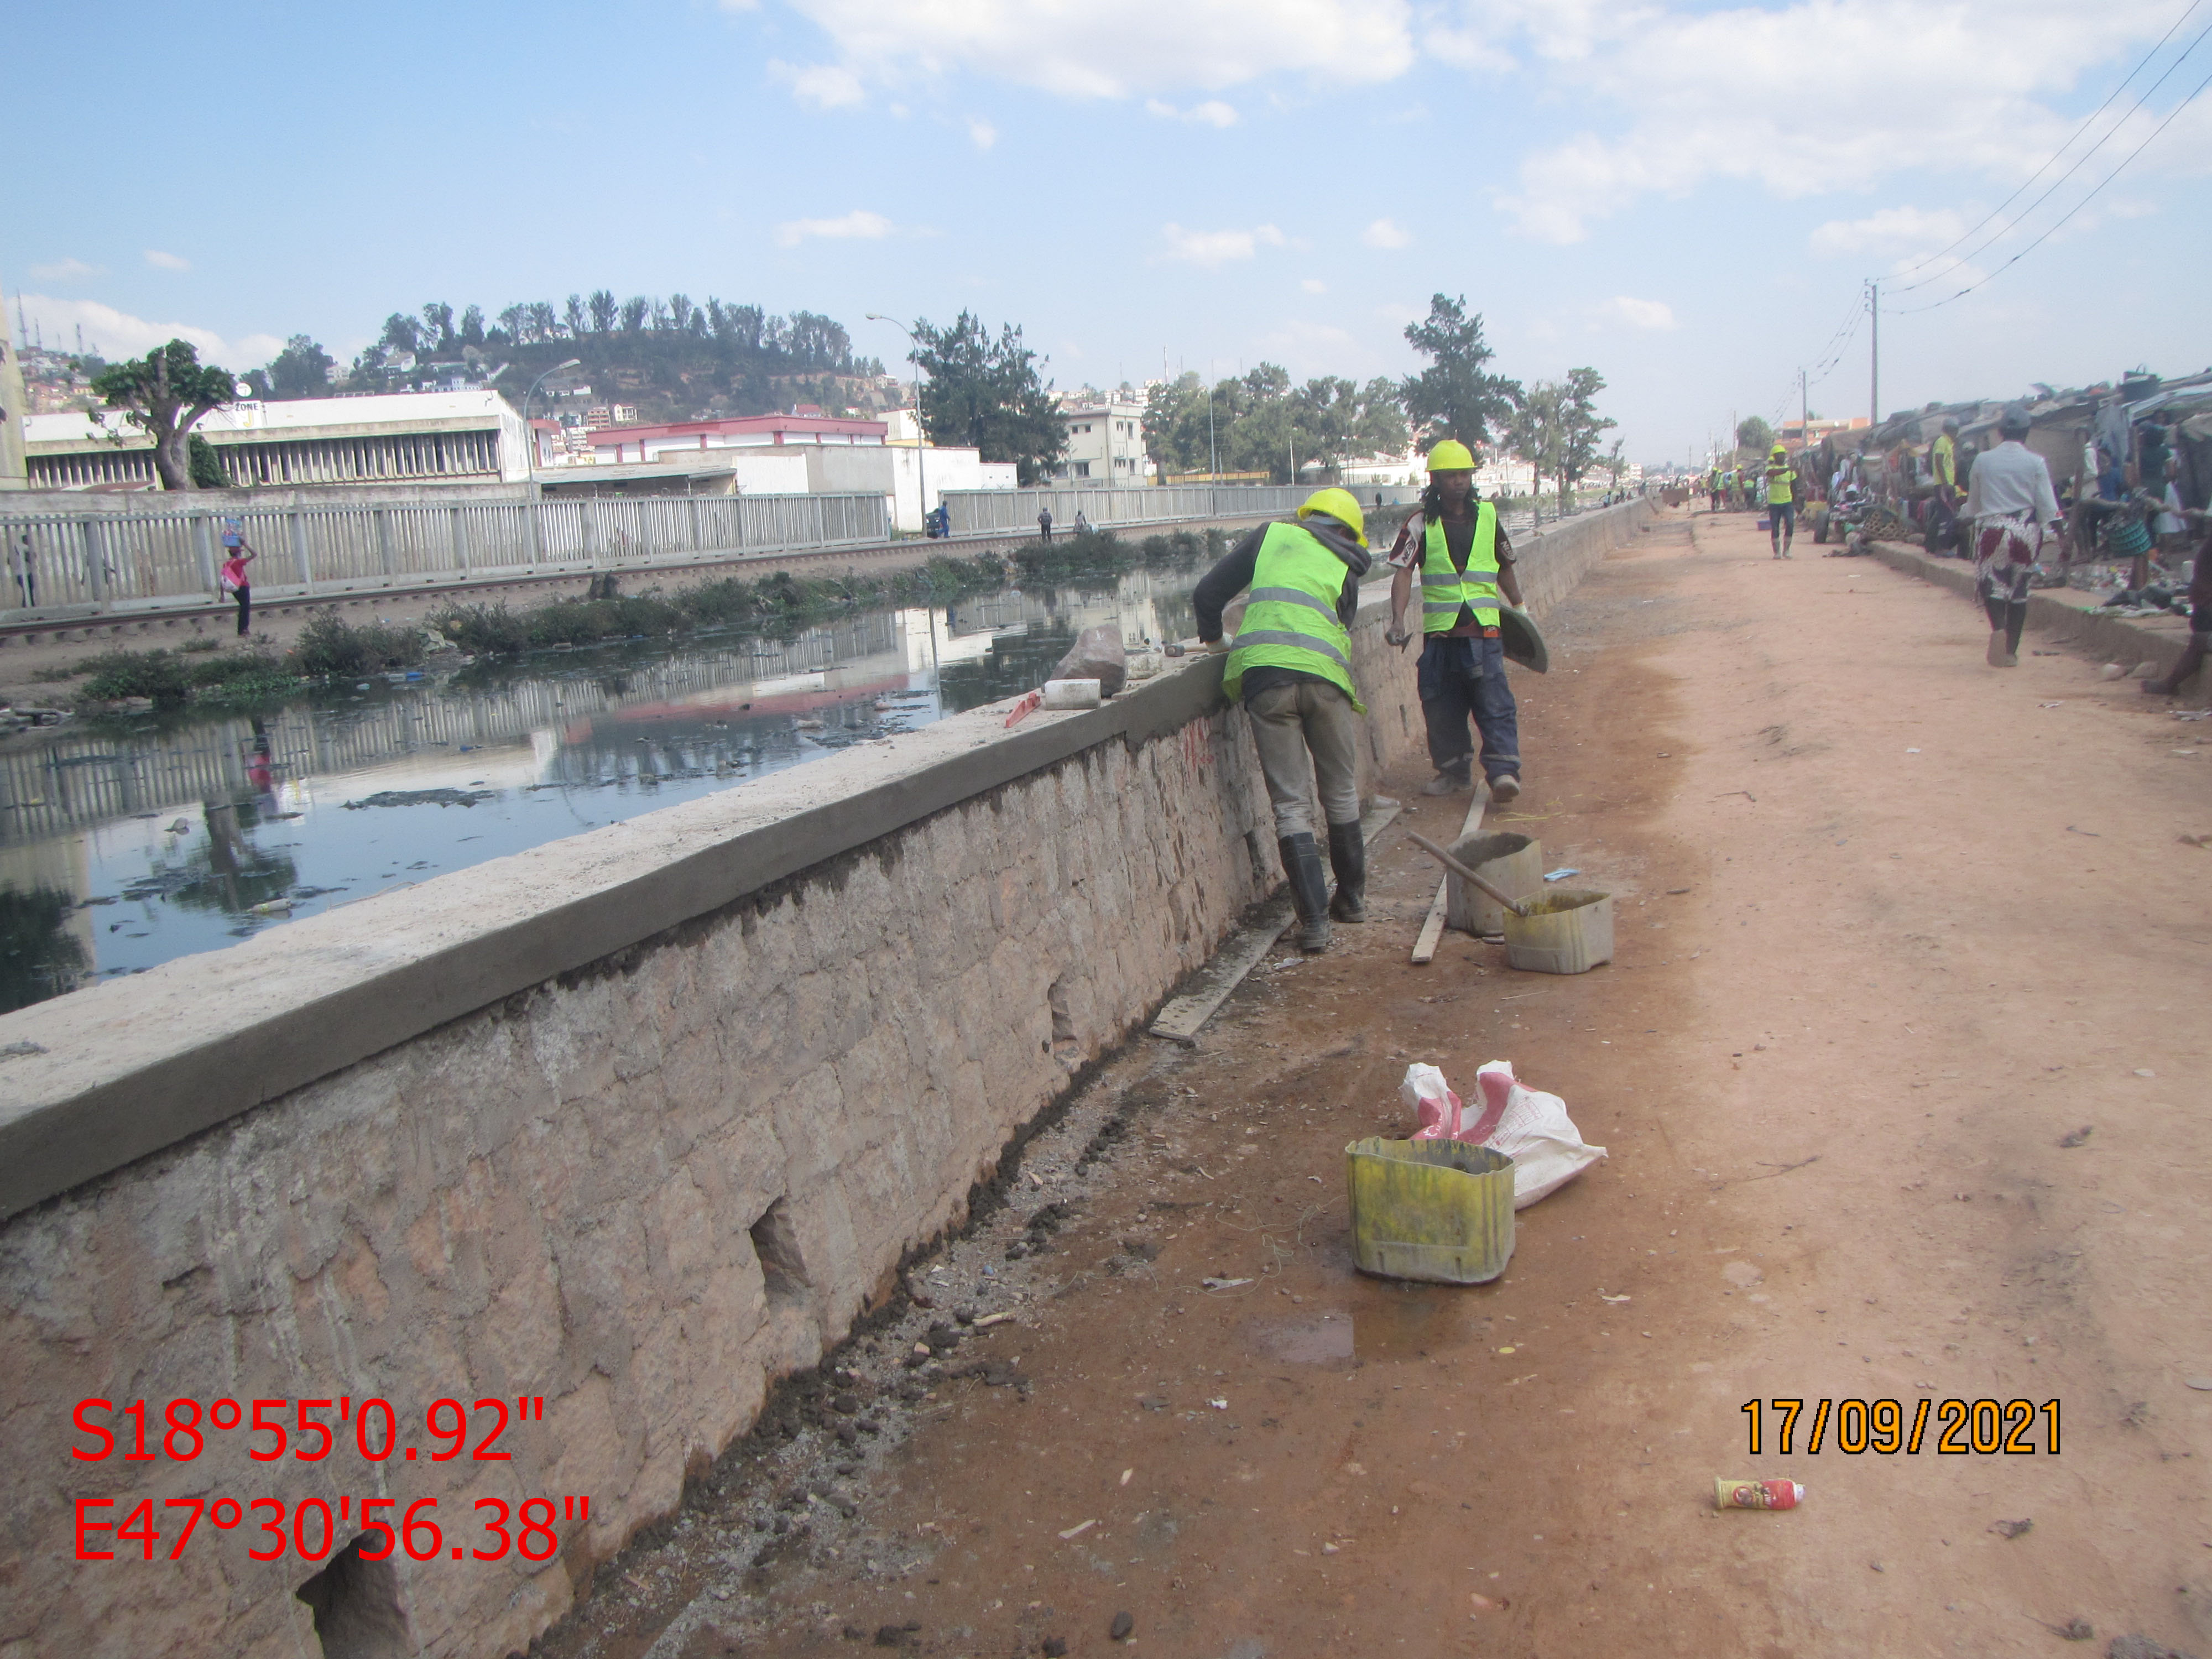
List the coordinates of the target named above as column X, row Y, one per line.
column 633, row 1123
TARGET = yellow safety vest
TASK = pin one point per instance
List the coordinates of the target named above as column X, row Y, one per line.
column 1444, row 589
column 1947, row 460
column 1291, row 620
column 1781, row 486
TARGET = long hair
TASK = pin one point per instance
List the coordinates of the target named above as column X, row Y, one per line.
column 1432, row 500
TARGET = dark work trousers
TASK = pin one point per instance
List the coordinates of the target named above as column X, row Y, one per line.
column 1461, row 677
column 245, row 607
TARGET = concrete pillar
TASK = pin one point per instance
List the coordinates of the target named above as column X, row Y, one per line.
column 383, row 538
column 203, row 551
column 95, row 559
column 460, row 542
column 298, row 527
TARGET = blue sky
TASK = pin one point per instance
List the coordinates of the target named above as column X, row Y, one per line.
column 1687, row 198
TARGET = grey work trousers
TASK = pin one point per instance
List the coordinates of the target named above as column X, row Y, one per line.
column 1307, row 733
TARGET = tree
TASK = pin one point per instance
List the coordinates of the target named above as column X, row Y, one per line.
column 402, row 333
column 302, row 369
column 1455, row 397
column 472, row 326
column 573, row 315
column 163, row 394
column 1175, row 425
column 438, row 328
column 206, row 465
column 1753, row 436
column 1557, row 427
column 634, row 311
column 604, row 311
column 989, row 393
column 1382, row 428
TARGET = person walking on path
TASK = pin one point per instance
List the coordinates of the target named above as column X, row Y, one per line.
column 235, row 581
column 2011, row 504
column 1044, row 523
column 1292, row 665
column 1465, row 561
column 1781, row 502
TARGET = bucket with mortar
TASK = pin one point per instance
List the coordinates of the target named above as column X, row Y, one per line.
column 1557, row 933
column 1512, row 864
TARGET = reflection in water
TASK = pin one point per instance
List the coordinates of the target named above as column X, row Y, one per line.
column 158, row 839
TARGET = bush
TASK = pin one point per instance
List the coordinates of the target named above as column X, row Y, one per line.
column 331, row 648
column 115, row 674
column 490, row 630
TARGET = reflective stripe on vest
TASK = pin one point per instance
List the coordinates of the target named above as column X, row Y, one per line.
column 1290, row 618
column 1444, row 589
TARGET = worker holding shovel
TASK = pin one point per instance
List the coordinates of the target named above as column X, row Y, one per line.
column 1465, row 562
column 1291, row 665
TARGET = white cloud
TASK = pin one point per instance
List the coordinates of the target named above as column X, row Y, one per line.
column 1314, row 285
column 67, row 271
column 1213, row 113
column 1212, row 248
column 1802, row 99
column 1890, row 230
column 162, row 261
column 1133, row 48
column 858, row 224
column 1655, row 314
column 118, row 334
column 984, row 134
column 825, row 86
column 1385, row 232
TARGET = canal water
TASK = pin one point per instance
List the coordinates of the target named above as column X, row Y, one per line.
column 124, row 845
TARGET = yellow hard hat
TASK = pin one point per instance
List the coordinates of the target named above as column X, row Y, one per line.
column 1782, row 449
column 1341, row 505
column 1451, row 456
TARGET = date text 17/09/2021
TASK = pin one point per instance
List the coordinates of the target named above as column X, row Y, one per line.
column 1983, row 1428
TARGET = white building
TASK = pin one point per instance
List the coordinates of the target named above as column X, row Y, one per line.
column 405, row 437
column 1105, row 443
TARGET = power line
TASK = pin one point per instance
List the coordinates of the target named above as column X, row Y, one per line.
column 2080, row 162
column 2077, row 208
column 2072, row 139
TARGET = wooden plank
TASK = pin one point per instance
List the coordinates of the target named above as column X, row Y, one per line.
column 1181, row 1017
column 1432, row 929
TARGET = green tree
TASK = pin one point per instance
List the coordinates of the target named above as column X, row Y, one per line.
column 206, row 464
column 1382, row 428
column 472, row 326
column 1455, row 397
column 163, row 395
column 989, row 393
column 438, row 328
column 1557, row 427
column 1753, row 436
column 1175, row 424
column 302, row 369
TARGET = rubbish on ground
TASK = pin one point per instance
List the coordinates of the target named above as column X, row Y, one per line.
column 1485, row 1604
column 1073, row 694
column 1439, row 1210
column 989, row 1319
column 1097, row 654
column 1561, row 874
column 1078, row 1529
column 1024, row 706
column 1223, row 1284
column 1757, row 1494
column 1602, row 1296
column 2145, row 1071
column 1126, row 1475
column 1219, row 1405
column 1526, row 1125
column 276, row 906
column 2076, row 1138
column 2011, row 1528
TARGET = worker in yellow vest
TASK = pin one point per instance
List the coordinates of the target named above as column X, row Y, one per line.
column 1781, row 502
column 1465, row 562
column 1291, row 664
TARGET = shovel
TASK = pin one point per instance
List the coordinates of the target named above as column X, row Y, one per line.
column 1467, row 875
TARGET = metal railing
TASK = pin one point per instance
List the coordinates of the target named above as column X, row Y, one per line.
column 121, row 561
column 1014, row 511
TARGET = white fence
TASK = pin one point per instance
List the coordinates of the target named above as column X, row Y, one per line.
column 121, row 561
column 1014, row 511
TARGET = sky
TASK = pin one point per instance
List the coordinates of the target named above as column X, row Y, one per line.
column 1689, row 199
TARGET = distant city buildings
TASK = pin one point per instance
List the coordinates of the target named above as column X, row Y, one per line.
column 1105, row 441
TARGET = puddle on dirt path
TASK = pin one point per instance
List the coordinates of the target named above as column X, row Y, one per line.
column 1387, row 1323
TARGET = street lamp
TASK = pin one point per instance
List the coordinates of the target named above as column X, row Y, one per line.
column 528, row 436
column 920, row 438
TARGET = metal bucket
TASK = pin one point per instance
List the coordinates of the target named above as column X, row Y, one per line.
column 1566, row 931
column 1435, row 1209
column 1512, row 864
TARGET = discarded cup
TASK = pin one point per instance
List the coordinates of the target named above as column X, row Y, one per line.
column 1757, row 1494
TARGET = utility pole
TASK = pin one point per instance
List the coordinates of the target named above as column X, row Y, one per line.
column 1804, row 413
column 1874, row 389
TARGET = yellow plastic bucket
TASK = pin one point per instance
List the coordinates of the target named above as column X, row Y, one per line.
column 1435, row 1209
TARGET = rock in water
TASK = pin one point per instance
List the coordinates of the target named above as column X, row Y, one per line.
column 1099, row 655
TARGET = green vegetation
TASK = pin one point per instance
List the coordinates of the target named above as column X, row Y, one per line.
column 331, row 648
column 1557, row 427
column 1258, row 423
column 168, row 679
column 1455, row 397
column 1069, row 559
column 988, row 393
column 162, row 395
column 775, row 603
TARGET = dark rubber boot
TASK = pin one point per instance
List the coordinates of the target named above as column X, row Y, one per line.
column 1347, row 856
column 1308, row 889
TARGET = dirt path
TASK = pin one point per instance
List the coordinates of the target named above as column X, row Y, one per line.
column 1892, row 924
